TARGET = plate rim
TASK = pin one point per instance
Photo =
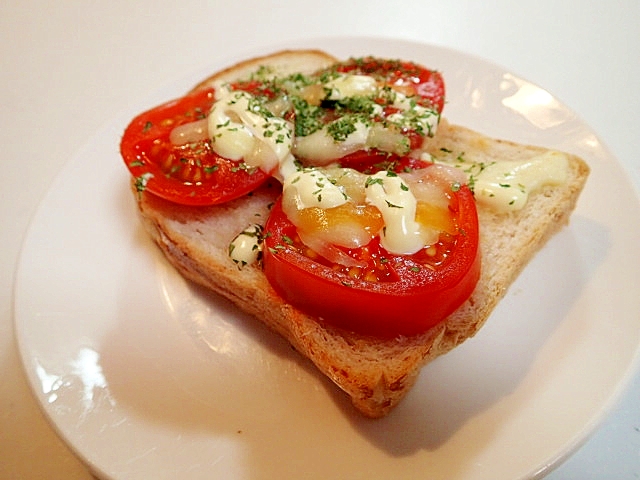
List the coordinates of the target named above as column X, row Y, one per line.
column 111, row 123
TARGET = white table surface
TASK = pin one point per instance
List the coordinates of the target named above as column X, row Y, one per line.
column 68, row 67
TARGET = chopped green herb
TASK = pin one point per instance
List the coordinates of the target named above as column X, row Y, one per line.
column 287, row 240
column 340, row 129
column 141, row 182
column 373, row 181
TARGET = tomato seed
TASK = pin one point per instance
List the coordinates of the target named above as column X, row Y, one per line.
column 371, row 277
column 167, row 163
column 354, row 272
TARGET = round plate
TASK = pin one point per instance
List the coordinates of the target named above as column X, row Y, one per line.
column 147, row 376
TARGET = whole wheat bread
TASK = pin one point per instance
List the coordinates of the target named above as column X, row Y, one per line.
column 376, row 373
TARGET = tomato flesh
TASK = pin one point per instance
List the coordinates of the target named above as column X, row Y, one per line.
column 189, row 174
column 427, row 84
column 391, row 294
column 372, row 161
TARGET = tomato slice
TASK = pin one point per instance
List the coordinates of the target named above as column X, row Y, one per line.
column 385, row 294
column 190, row 173
column 401, row 109
column 415, row 79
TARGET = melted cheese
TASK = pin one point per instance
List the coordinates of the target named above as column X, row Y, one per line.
column 413, row 116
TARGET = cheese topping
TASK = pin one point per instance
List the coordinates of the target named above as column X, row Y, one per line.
column 509, row 184
column 411, row 115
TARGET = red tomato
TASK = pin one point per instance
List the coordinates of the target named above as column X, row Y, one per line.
column 192, row 173
column 392, row 294
column 409, row 76
column 372, row 161
column 425, row 87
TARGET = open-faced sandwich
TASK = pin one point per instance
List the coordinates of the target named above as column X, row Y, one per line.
column 331, row 200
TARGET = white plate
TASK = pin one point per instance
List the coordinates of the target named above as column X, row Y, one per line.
column 146, row 376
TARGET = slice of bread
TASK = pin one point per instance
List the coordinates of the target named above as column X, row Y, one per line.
column 282, row 63
column 376, row 373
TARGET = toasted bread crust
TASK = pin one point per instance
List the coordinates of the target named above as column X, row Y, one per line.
column 376, row 373
column 284, row 61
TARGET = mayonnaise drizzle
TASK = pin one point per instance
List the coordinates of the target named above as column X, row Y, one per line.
column 391, row 195
column 245, row 249
column 242, row 131
column 312, row 188
column 506, row 185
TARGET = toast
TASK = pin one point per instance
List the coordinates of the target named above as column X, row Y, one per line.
column 376, row 373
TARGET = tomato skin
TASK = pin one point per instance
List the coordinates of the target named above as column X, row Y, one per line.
column 415, row 299
column 195, row 175
column 189, row 174
column 427, row 84
column 372, row 161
